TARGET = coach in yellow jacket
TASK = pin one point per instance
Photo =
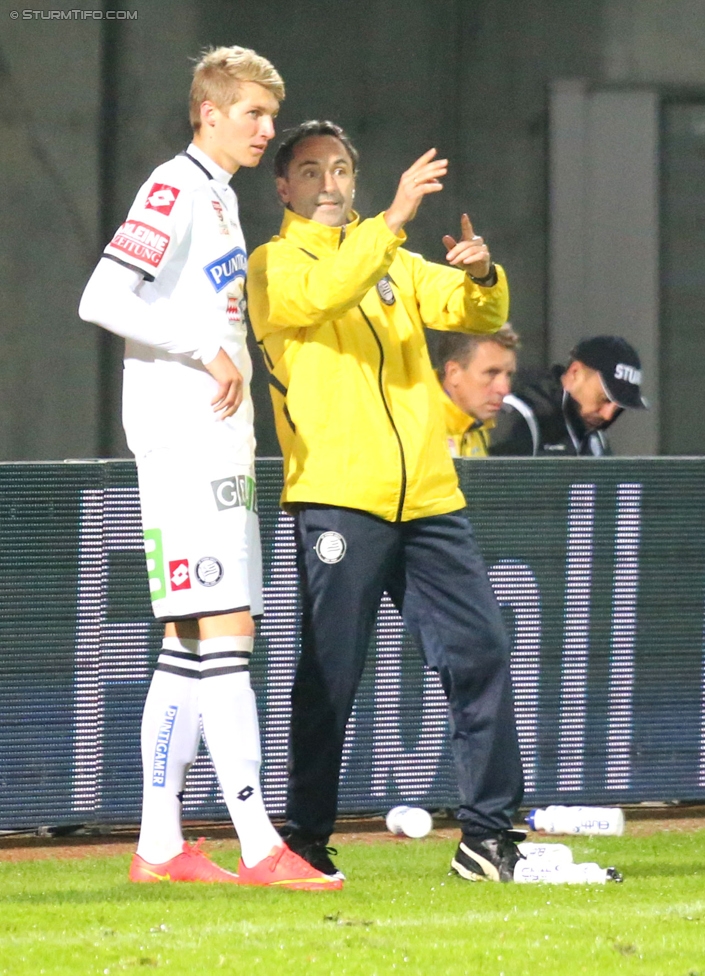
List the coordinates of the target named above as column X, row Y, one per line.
column 338, row 307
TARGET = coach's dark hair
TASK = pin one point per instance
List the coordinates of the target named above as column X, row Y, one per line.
column 285, row 152
column 460, row 347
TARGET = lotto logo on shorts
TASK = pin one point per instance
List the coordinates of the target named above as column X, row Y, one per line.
column 179, row 576
column 161, row 751
column 140, row 241
column 236, row 492
column 162, row 198
column 226, row 269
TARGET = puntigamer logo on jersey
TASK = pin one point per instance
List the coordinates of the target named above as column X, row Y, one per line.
column 141, row 242
column 226, row 269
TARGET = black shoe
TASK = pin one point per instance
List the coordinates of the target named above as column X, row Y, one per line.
column 316, row 852
column 490, row 859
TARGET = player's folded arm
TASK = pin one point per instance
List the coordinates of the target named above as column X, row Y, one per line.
column 110, row 301
column 449, row 300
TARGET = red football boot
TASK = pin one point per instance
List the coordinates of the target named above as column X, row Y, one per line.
column 285, row 869
column 191, row 865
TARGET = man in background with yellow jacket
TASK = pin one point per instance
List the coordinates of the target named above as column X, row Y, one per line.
column 475, row 375
column 338, row 307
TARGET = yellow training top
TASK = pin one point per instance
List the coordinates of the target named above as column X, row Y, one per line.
column 339, row 313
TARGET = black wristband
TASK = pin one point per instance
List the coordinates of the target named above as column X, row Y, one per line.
column 489, row 279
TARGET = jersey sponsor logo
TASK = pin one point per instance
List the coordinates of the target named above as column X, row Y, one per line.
column 629, row 373
column 234, row 311
column 226, row 269
column 179, row 577
column 162, row 198
column 330, row 547
column 141, row 242
column 209, row 571
column 161, row 750
column 239, row 491
column 245, row 793
column 384, row 290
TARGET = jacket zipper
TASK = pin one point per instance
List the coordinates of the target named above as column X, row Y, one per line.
column 402, row 494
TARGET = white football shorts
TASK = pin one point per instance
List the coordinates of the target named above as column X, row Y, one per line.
column 201, row 531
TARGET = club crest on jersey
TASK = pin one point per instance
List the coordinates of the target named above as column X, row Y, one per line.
column 384, row 290
column 162, row 198
column 218, row 207
column 226, row 269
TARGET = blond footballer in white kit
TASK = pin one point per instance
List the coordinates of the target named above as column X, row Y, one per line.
column 171, row 282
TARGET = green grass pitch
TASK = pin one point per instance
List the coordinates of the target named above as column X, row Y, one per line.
column 400, row 912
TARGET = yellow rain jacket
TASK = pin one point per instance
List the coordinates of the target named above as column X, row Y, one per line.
column 339, row 313
column 465, row 436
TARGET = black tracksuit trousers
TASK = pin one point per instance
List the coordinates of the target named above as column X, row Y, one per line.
column 435, row 575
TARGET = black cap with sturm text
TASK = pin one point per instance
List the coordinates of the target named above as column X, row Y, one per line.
column 619, row 367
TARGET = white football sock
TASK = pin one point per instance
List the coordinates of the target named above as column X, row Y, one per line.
column 231, row 730
column 171, row 732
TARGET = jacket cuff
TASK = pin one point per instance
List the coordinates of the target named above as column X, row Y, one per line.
column 399, row 238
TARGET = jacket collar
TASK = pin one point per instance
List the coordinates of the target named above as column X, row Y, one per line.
column 458, row 422
column 312, row 236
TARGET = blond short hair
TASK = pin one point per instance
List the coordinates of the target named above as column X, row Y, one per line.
column 218, row 74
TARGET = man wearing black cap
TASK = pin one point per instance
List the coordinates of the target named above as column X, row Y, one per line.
column 562, row 412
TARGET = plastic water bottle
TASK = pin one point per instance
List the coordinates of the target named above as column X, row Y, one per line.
column 412, row 821
column 578, row 820
column 535, row 871
column 546, row 853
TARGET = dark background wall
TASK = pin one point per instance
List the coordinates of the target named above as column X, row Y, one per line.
column 88, row 108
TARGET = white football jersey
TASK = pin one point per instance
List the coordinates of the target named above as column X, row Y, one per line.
column 183, row 236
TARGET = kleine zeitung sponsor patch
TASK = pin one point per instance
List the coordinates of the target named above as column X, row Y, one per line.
column 141, row 242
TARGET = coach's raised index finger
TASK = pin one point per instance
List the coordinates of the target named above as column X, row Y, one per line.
column 466, row 228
